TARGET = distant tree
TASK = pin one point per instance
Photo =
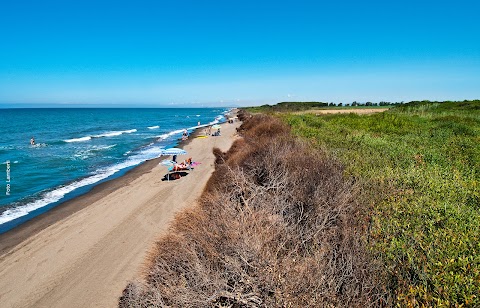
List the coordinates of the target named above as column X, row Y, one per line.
column 375, row 104
column 340, row 105
column 331, row 104
column 354, row 104
column 368, row 104
column 347, row 105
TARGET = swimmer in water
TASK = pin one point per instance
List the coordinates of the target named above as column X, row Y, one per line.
column 32, row 141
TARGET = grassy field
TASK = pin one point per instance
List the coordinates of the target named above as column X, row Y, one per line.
column 305, row 107
column 420, row 168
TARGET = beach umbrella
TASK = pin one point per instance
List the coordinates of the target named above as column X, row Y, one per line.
column 216, row 126
column 168, row 163
column 174, row 151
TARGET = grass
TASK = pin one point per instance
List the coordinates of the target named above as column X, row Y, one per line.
column 267, row 109
column 420, row 163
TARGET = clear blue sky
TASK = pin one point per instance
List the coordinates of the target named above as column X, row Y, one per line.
column 199, row 53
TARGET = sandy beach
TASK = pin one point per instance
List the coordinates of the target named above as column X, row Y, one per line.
column 83, row 253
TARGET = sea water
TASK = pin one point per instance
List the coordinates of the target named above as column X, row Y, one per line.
column 76, row 149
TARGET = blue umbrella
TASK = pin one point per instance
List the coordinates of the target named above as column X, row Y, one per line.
column 168, row 163
column 174, row 151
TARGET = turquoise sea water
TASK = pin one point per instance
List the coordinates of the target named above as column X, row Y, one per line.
column 78, row 148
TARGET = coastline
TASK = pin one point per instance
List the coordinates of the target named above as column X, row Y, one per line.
column 83, row 252
column 14, row 236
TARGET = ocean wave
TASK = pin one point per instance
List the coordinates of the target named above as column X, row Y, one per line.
column 78, row 139
column 115, row 133
column 218, row 119
column 169, row 134
column 60, row 192
column 107, row 134
column 153, row 127
column 90, row 152
column 102, row 147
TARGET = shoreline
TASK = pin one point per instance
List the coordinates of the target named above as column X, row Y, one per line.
column 20, row 233
column 85, row 252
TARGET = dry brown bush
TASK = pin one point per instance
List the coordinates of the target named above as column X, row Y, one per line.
column 279, row 226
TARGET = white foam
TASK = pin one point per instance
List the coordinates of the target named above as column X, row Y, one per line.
column 107, row 134
column 57, row 194
column 153, row 127
column 165, row 136
column 78, row 139
column 105, row 147
column 50, row 197
column 87, row 153
column 115, row 133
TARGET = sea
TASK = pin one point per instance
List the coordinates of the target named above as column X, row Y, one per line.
column 76, row 149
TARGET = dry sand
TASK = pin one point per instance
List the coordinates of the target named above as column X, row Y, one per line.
column 84, row 253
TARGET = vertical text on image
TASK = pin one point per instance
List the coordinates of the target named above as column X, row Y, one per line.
column 8, row 178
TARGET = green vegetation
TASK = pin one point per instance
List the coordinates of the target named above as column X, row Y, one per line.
column 372, row 211
column 287, row 106
column 420, row 163
column 302, row 106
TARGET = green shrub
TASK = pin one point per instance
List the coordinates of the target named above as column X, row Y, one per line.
column 424, row 158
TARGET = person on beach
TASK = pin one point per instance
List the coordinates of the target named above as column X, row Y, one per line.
column 174, row 159
column 180, row 167
column 185, row 135
column 32, row 141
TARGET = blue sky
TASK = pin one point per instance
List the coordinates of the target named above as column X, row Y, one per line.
column 214, row 53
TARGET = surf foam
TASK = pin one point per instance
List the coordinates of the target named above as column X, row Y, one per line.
column 59, row 193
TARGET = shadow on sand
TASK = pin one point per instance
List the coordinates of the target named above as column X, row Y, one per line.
column 174, row 176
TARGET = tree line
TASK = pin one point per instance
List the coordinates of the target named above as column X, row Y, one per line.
column 299, row 106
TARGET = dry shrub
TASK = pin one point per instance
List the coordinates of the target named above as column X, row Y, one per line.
column 278, row 226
